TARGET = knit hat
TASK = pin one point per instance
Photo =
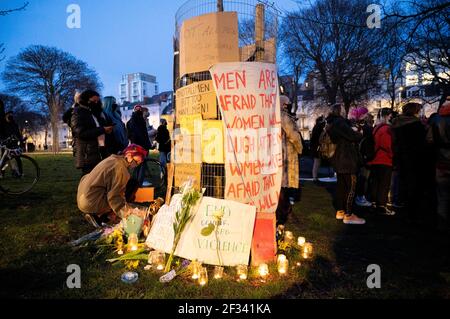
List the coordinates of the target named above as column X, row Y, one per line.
column 358, row 113
column 135, row 150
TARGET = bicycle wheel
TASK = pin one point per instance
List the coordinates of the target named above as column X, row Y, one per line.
column 19, row 175
column 155, row 176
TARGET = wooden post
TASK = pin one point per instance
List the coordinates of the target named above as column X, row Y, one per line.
column 219, row 5
column 259, row 32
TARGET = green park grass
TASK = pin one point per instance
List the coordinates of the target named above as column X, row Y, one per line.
column 36, row 229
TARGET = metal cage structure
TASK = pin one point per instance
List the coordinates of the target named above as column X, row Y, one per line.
column 258, row 29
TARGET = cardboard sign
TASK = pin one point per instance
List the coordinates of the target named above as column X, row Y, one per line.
column 231, row 244
column 264, row 247
column 208, row 39
column 197, row 98
column 270, row 52
column 187, row 148
column 212, row 142
column 185, row 171
column 249, row 100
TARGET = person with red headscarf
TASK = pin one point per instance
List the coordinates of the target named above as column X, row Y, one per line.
column 102, row 191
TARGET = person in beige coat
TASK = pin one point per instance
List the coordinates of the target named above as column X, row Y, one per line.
column 292, row 148
column 102, row 191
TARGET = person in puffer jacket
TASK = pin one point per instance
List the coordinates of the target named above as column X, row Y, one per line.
column 381, row 165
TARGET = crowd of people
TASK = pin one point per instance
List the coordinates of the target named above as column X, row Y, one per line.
column 396, row 163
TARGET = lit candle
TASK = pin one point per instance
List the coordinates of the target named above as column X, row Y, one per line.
column 301, row 241
column 242, row 271
column 196, row 267
column 263, row 270
column 132, row 242
column 288, row 237
column 307, row 250
column 281, row 257
column 283, row 266
column 203, row 276
column 218, row 272
column 160, row 260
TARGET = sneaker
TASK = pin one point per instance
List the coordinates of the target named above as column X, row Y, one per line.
column 91, row 220
column 362, row 201
column 385, row 211
column 353, row 220
column 146, row 184
column 340, row 214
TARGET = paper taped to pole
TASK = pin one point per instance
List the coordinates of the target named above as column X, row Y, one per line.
column 197, row 98
column 249, row 101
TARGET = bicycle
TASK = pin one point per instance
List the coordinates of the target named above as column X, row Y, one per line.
column 18, row 173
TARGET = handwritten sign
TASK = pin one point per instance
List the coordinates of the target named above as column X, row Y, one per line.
column 208, row 39
column 249, row 101
column 212, row 142
column 185, row 171
column 197, row 98
column 230, row 246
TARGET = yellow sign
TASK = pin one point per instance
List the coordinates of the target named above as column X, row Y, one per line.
column 212, row 142
column 208, row 39
column 197, row 98
column 185, row 171
column 191, row 124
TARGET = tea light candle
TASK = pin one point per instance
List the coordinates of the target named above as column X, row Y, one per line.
column 203, row 276
column 160, row 260
column 242, row 271
column 196, row 267
column 307, row 250
column 288, row 237
column 132, row 242
column 283, row 266
column 218, row 272
column 281, row 257
column 301, row 241
column 263, row 270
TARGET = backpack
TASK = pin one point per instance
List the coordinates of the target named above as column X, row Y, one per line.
column 367, row 146
column 326, row 146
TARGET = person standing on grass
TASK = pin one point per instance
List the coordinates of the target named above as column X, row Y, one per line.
column 119, row 138
column 439, row 136
column 409, row 151
column 164, row 142
column 137, row 128
column 314, row 145
column 381, row 165
column 101, row 193
column 89, row 134
column 346, row 163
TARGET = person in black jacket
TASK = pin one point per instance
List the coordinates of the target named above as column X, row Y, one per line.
column 137, row 129
column 164, row 143
column 314, row 145
column 88, row 132
column 346, row 162
column 409, row 142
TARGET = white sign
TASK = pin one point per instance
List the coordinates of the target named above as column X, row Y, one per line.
column 231, row 241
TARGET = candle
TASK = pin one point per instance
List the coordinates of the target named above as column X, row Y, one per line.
column 288, row 237
column 283, row 266
column 281, row 257
column 242, row 271
column 132, row 242
column 160, row 260
column 218, row 272
column 203, row 276
column 196, row 267
column 307, row 250
column 301, row 241
column 263, row 270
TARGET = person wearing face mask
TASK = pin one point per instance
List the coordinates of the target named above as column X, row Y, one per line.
column 101, row 193
column 89, row 129
column 118, row 139
column 137, row 128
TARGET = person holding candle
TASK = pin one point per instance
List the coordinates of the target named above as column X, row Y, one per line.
column 101, row 193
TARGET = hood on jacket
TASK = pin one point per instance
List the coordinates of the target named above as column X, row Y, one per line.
column 403, row 120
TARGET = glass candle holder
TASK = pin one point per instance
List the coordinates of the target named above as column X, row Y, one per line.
column 203, row 276
column 242, row 272
column 160, row 260
column 288, row 237
column 196, row 267
column 307, row 250
column 132, row 242
column 263, row 270
column 301, row 241
column 218, row 272
column 283, row 266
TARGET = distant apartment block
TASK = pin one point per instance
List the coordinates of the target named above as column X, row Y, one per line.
column 136, row 87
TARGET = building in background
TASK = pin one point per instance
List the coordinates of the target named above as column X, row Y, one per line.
column 135, row 87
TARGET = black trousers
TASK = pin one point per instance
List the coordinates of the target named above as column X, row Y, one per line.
column 284, row 208
column 411, row 187
column 380, row 183
column 345, row 192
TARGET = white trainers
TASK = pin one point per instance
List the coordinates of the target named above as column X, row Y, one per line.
column 362, row 201
column 353, row 220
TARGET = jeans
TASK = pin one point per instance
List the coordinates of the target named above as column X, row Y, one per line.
column 345, row 192
column 316, row 167
column 363, row 178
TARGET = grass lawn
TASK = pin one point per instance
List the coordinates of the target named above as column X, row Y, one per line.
column 36, row 228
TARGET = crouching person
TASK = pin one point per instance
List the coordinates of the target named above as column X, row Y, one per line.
column 101, row 193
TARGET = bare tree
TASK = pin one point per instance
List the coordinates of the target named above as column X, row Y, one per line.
column 5, row 12
column 48, row 77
